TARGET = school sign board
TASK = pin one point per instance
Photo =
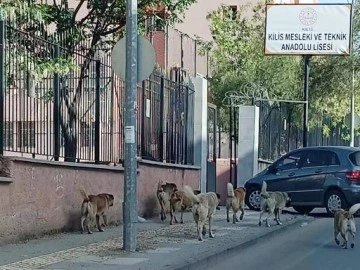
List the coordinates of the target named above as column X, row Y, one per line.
column 314, row 29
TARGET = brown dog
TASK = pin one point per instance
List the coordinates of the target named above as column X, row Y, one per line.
column 178, row 200
column 236, row 201
column 94, row 206
column 164, row 192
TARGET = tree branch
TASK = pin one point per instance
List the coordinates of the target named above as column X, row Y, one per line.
column 77, row 10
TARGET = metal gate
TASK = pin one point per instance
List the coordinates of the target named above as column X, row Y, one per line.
column 211, row 152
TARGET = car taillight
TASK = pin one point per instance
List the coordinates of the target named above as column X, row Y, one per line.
column 353, row 176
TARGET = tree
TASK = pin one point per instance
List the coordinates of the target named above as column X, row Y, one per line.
column 237, row 55
column 102, row 25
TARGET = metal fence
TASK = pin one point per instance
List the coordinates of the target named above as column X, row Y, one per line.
column 280, row 131
column 74, row 111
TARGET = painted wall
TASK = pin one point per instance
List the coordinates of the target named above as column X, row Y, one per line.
column 44, row 195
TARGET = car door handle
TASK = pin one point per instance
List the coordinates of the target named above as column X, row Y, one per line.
column 291, row 174
column 319, row 171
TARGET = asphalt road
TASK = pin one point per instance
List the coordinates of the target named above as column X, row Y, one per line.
column 310, row 247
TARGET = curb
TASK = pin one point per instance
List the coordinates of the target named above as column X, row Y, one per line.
column 213, row 259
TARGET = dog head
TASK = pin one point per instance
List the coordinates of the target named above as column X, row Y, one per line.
column 287, row 199
column 175, row 196
column 169, row 186
column 109, row 198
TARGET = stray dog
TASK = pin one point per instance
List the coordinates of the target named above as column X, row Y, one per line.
column 273, row 203
column 163, row 194
column 94, row 206
column 196, row 192
column 179, row 200
column 236, row 201
column 204, row 208
column 344, row 224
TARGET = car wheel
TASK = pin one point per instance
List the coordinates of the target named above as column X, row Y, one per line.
column 253, row 198
column 334, row 200
column 303, row 210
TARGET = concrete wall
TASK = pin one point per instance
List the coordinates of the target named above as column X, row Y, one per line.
column 44, row 195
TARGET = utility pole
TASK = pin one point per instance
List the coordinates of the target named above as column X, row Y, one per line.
column 306, row 100
column 130, row 159
column 352, row 125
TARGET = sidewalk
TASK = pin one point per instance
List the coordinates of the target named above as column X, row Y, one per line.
column 160, row 245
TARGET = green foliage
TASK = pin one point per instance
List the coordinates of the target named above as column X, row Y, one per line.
column 34, row 29
column 237, row 55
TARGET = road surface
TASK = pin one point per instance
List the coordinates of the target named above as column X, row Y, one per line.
column 310, row 247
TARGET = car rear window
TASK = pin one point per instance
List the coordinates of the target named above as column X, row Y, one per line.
column 355, row 158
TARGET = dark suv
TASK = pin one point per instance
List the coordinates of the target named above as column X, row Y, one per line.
column 327, row 176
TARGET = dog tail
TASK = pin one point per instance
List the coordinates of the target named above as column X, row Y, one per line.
column 84, row 195
column 190, row 194
column 230, row 190
column 264, row 192
column 353, row 209
column 160, row 188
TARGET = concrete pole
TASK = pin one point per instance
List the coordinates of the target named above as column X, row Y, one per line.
column 352, row 125
column 130, row 159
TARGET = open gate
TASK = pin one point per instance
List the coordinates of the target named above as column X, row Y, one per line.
column 211, row 152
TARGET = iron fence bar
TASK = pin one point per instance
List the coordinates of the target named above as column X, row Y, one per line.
column 161, row 124
column 186, row 120
column 97, row 111
column 56, row 109
column 112, row 117
column 143, row 150
column 2, row 84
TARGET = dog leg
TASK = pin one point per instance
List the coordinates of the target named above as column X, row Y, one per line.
column 261, row 213
column 98, row 223
column 242, row 212
column 105, row 220
column 181, row 216
column 353, row 233
column 353, row 240
column 227, row 213
column 162, row 213
column 211, row 235
column 345, row 237
column 82, row 223
column 278, row 212
column 171, row 214
column 267, row 218
column 336, row 234
column 235, row 219
column 204, row 230
column 199, row 228
column 88, row 226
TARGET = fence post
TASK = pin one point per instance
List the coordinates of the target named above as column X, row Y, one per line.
column 185, row 128
column 2, row 82
column 162, row 111
column 143, row 112
column 97, row 111
column 56, row 109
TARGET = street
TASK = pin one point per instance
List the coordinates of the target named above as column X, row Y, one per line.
column 310, row 247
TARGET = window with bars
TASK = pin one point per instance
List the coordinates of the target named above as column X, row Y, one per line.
column 26, row 134
column 87, row 135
